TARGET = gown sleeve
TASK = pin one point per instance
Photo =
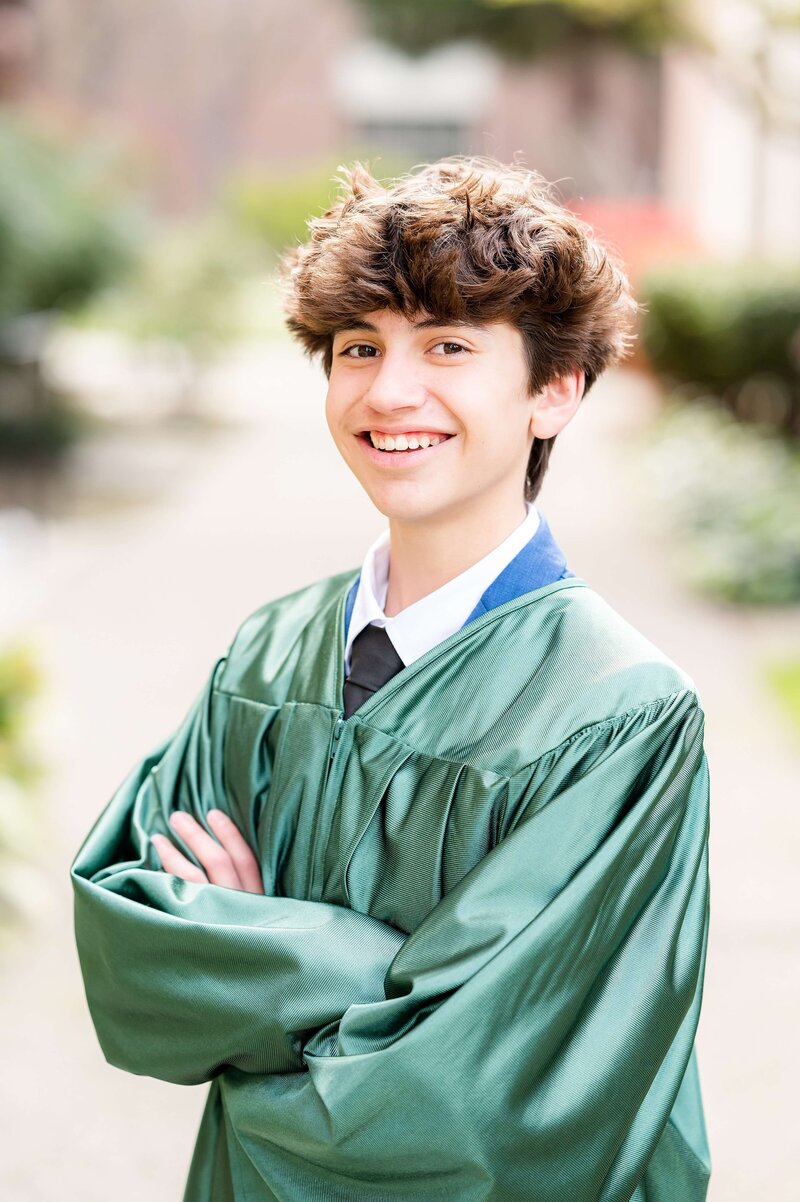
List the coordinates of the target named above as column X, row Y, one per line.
column 528, row 1040
column 537, row 1026
column 182, row 978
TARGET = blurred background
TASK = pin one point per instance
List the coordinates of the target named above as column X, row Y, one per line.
column 165, row 466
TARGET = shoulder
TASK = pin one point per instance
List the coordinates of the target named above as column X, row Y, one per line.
column 265, row 639
column 574, row 664
column 611, row 654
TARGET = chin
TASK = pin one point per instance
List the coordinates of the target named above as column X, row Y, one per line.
column 403, row 509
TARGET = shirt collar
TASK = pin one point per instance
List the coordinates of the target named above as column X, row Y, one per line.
column 422, row 625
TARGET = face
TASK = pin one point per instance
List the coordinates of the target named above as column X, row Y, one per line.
column 434, row 419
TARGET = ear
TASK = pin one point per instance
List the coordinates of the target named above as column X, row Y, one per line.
column 556, row 404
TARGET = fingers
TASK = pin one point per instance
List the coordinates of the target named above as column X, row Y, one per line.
column 229, row 862
column 216, row 861
column 238, row 849
column 175, row 862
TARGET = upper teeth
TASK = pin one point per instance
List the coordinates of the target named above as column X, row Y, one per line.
column 402, row 442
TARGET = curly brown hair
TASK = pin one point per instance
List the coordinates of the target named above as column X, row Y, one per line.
column 466, row 238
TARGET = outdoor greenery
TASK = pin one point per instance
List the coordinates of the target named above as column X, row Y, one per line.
column 208, row 281
column 783, row 679
column 724, row 461
column 40, row 431
column 525, row 29
column 731, row 493
column 66, row 231
column 19, row 773
column 729, row 329
column 274, row 207
column 185, row 286
column 19, row 684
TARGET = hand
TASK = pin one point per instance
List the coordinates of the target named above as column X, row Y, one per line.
column 230, row 862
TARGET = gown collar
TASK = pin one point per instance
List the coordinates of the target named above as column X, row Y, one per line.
column 541, row 561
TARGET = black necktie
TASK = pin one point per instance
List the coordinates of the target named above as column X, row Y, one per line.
column 373, row 661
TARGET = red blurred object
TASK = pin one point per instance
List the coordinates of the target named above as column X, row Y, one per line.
column 641, row 233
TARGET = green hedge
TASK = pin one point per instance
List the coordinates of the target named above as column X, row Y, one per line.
column 732, row 330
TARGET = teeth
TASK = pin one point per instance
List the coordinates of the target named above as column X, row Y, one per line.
column 403, row 442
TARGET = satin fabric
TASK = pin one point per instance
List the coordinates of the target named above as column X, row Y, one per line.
column 477, row 970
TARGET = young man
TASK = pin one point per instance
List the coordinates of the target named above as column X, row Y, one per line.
column 421, row 883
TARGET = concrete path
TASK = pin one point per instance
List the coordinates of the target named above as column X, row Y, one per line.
column 132, row 607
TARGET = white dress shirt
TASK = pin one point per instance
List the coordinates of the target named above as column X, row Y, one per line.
column 441, row 613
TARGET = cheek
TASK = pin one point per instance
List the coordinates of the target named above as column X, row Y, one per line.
column 501, row 445
column 341, row 396
column 334, row 410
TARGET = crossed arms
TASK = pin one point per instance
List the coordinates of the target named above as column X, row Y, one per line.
column 229, row 862
column 541, row 1017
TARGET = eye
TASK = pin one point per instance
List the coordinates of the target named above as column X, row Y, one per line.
column 453, row 346
column 359, row 346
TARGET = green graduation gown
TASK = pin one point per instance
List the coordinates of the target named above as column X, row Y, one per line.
column 477, row 971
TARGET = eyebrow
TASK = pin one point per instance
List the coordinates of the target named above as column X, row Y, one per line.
column 427, row 323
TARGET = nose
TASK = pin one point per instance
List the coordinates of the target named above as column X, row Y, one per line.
column 396, row 384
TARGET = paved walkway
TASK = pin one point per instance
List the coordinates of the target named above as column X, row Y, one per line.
column 132, row 607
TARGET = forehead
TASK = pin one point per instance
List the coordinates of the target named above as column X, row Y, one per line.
column 385, row 321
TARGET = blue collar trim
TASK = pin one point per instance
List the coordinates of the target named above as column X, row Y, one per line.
column 541, row 561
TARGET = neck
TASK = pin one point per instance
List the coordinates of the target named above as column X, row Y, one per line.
column 424, row 556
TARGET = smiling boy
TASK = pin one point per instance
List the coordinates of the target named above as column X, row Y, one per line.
column 462, row 391
column 420, row 885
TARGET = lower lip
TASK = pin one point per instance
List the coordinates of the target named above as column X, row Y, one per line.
column 396, row 459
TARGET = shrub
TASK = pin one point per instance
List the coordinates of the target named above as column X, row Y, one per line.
column 63, row 233
column 729, row 329
column 36, row 423
column 732, row 495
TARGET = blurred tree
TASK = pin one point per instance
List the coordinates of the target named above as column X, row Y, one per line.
column 526, row 29
column 65, row 232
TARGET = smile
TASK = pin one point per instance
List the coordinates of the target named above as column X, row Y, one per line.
column 411, row 440
column 402, row 448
